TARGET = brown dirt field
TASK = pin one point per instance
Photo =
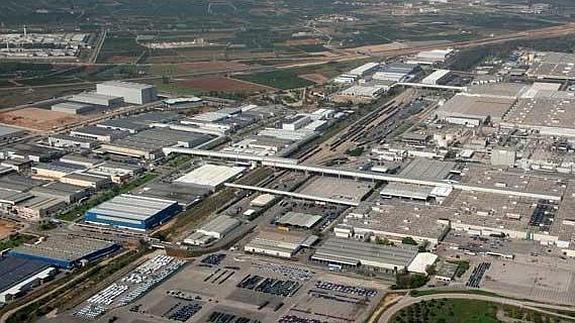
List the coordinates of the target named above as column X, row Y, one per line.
column 6, row 228
column 38, row 119
column 222, row 84
column 316, row 78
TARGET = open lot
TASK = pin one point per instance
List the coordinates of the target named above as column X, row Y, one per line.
column 38, row 119
column 531, row 280
column 7, row 228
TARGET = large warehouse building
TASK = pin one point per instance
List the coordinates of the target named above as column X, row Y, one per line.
column 66, row 252
column 133, row 212
column 353, row 254
column 131, row 92
column 17, row 276
column 210, row 176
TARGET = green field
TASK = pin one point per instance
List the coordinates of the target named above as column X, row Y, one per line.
column 468, row 311
column 282, row 79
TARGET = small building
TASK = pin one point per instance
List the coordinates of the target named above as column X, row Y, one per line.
column 73, row 108
column 31, row 152
column 437, row 77
column 446, row 271
column 88, row 181
column 39, row 208
column 210, row 176
column 98, row 133
column 503, row 157
column 22, row 166
column 65, row 192
column 276, row 244
column 77, row 159
column 296, row 122
column 118, row 172
column 262, row 200
column 66, row 141
column 214, row 229
column 99, row 99
column 422, row 262
column 55, row 170
column 133, row 212
column 65, row 251
column 219, row 227
column 299, row 220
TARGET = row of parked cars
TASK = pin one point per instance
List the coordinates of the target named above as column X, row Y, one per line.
column 346, row 289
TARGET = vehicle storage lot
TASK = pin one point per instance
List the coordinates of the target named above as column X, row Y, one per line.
column 204, row 292
column 544, row 282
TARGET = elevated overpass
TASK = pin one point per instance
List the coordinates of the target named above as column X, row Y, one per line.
column 293, row 164
column 264, row 160
column 395, row 178
column 291, row 194
column 432, row 86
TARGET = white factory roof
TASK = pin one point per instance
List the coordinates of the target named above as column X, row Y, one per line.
column 129, row 85
column 435, row 76
column 299, row 219
column 263, row 199
column 363, row 68
column 421, row 262
column 182, row 100
column 210, row 175
column 93, row 95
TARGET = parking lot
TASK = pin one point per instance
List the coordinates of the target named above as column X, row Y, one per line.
column 477, row 275
column 240, row 288
column 129, row 288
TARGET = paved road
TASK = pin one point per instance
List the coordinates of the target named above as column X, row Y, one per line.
column 409, row 300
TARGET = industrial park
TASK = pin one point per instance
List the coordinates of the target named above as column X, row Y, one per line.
column 405, row 181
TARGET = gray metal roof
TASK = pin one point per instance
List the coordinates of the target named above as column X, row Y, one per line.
column 351, row 251
column 5, row 130
column 132, row 207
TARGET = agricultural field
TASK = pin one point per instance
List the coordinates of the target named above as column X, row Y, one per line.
column 267, row 30
column 221, row 84
column 299, row 77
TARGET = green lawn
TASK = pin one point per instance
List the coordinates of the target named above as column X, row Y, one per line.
column 15, row 241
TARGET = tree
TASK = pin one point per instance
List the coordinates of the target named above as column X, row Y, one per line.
column 409, row 240
column 383, row 241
